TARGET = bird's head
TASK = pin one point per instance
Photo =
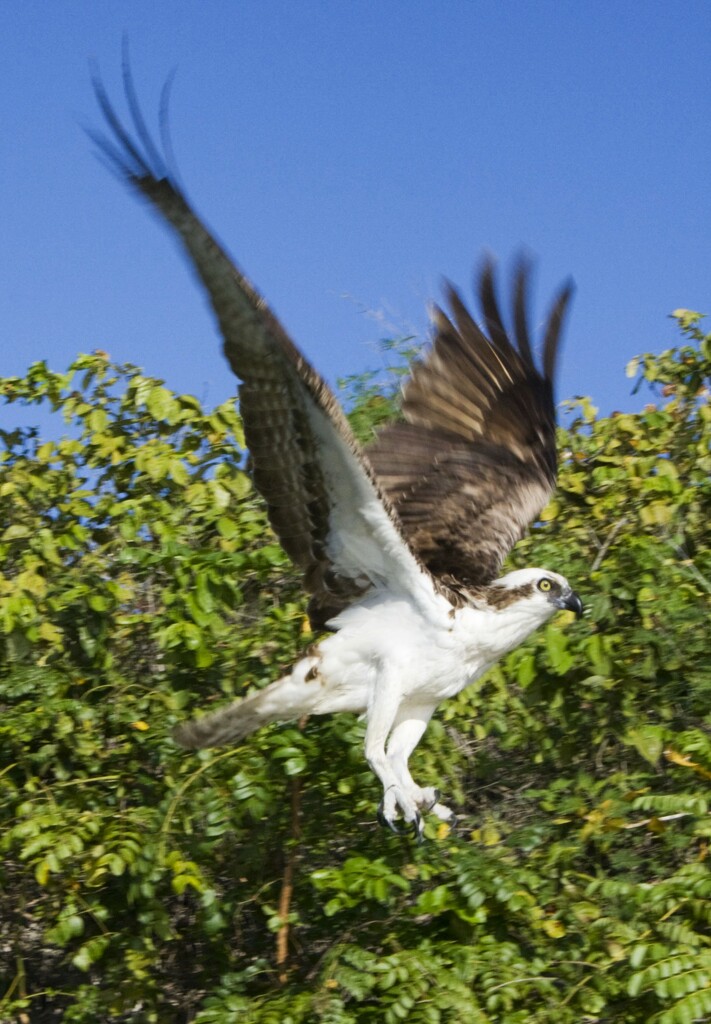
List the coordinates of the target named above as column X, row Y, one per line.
column 539, row 591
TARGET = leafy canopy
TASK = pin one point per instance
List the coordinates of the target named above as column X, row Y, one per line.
column 140, row 581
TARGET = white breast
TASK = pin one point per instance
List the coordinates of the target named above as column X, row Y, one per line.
column 433, row 653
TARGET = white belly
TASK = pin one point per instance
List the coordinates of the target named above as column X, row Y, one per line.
column 429, row 655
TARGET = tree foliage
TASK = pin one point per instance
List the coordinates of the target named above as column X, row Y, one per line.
column 141, row 883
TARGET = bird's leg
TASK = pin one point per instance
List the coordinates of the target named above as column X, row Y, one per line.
column 407, row 732
column 382, row 712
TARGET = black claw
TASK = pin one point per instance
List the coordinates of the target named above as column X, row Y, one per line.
column 415, row 826
column 386, row 822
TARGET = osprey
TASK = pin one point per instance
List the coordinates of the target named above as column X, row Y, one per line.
column 401, row 543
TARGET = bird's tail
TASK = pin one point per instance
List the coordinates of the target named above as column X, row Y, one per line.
column 288, row 698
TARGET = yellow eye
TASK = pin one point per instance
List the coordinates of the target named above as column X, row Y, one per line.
column 544, row 585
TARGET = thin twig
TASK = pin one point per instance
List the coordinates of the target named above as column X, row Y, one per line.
column 663, row 817
column 688, row 563
column 607, row 544
column 287, row 884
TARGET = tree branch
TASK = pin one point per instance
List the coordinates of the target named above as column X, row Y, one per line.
column 604, row 548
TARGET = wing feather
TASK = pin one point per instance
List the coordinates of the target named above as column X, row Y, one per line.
column 453, row 487
column 475, row 460
column 323, row 499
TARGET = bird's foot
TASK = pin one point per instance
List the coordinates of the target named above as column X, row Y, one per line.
column 403, row 812
column 427, row 800
column 396, row 802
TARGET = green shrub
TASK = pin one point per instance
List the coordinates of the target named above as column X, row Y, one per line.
column 142, row 883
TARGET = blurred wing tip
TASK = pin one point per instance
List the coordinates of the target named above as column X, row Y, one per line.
column 488, row 262
column 561, row 302
column 438, row 318
column 523, row 267
column 567, row 289
column 136, row 156
column 554, row 329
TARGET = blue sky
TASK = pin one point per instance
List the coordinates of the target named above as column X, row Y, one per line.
column 349, row 155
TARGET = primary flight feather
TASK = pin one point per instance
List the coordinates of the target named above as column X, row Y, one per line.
column 400, row 544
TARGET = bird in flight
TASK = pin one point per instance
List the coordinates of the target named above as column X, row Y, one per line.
column 400, row 543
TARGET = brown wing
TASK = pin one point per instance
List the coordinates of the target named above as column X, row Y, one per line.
column 322, row 497
column 475, row 460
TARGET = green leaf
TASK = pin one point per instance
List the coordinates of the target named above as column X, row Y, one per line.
column 648, row 741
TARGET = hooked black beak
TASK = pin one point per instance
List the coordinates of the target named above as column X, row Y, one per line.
column 571, row 602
